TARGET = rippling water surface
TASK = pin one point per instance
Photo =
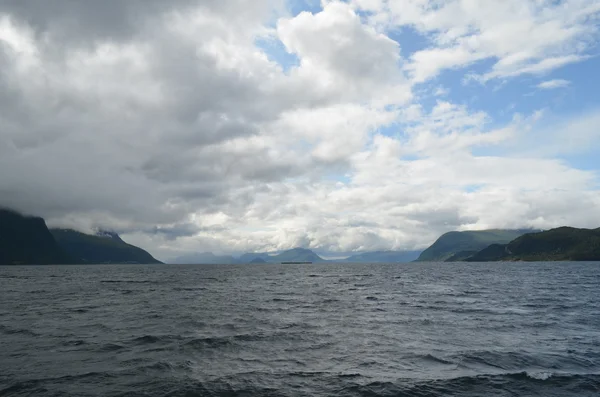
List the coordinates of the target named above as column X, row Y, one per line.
column 519, row 329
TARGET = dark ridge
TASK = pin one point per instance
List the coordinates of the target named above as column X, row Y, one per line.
column 26, row 240
column 560, row 244
column 454, row 246
column 104, row 248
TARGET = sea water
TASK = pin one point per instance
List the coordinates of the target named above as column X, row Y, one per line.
column 418, row 329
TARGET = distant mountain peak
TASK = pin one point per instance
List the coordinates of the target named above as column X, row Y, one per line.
column 297, row 255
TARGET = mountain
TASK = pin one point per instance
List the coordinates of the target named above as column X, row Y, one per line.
column 460, row 245
column 383, row 257
column 251, row 257
column 296, row 255
column 106, row 247
column 292, row 255
column 257, row 260
column 205, row 258
column 27, row 240
column 561, row 244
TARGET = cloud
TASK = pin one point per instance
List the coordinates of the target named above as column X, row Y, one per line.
column 572, row 135
column 149, row 118
column 520, row 37
column 343, row 58
column 552, row 84
column 167, row 122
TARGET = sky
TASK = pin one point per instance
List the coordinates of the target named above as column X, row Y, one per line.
column 236, row 126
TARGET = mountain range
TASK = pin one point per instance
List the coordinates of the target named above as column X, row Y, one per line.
column 292, row 255
column 296, row 255
column 104, row 247
column 457, row 246
column 27, row 240
column 560, row 244
column 565, row 243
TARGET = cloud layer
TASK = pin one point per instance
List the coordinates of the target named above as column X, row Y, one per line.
column 171, row 123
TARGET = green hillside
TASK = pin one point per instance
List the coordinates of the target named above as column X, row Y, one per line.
column 107, row 248
column 561, row 244
column 466, row 243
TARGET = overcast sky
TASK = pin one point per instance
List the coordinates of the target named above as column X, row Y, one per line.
column 235, row 125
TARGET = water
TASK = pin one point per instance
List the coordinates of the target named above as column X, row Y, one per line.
column 519, row 329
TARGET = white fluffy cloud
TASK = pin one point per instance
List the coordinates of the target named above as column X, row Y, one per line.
column 520, row 36
column 341, row 56
column 166, row 121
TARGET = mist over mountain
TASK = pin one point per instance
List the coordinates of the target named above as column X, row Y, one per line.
column 297, row 255
column 27, row 240
column 292, row 255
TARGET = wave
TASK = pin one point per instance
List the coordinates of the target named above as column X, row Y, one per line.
column 509, row 384
column 432, row 358
column 282, row 300
column 131, row 282
column 214, row 341
column 237, row 339
column 179, row 379
column 327, row 384
column 111, row 347
column 189, row 289
column 4, row 329
column 150, row 339
column 509, row 361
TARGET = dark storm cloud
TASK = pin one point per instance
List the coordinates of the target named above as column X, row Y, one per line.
column 132, row 133
column 74, row 21
column 174, row 232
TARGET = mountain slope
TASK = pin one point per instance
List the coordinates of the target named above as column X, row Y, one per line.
column 296, row 255
column 103, row 248
column 27, row 240
column 383, row 257
column 467, row 242
column 251, row 257
column 257, row 260
column 560, row 244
